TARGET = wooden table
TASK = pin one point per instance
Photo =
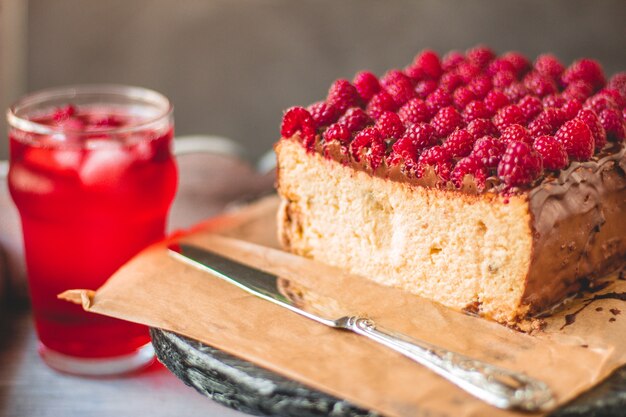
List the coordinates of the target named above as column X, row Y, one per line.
column 29, row 388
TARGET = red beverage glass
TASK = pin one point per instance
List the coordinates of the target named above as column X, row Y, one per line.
column 93, row 176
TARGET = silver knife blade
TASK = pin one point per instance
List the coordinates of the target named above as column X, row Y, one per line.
column 259, row 283
column 497, row 386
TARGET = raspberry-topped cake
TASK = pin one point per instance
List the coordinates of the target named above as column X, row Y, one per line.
column 491, row 184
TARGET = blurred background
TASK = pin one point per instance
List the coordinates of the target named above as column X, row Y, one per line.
column 232, row 66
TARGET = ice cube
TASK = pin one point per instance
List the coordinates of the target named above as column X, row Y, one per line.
column 101, row 142
column 57, row 160
column 143, row 150
column 25, row 180
column 67, row 159
column 72, row 130
column 105, row 165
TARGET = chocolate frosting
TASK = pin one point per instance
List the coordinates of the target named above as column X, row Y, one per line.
column 579, row 226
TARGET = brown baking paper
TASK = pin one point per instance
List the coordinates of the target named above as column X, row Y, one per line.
column 156, row 290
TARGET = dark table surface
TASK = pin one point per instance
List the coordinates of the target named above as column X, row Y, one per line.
column 28, row 388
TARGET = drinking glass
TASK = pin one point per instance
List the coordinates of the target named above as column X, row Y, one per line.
column 93, row 177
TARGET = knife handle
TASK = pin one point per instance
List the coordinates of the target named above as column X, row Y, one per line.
column 499, row 387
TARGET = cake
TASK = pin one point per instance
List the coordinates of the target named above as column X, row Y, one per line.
column 489, row 184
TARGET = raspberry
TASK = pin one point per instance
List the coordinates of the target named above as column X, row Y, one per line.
column 338, row 132
column 488, row 151
column 520, row 62
column 415, row 138
column 587, row 70
column 459, row 143
column 500, row 65
column 593, row 123
column 553, row 100
column 446, row 120
column 481, row 127
column 530, row 106
column 552, row 152
column 390, row 125
column 399, row 86
column 618, row 83
column 415, row 111
column 599, row 102
column 480, row 86
column 401, row 92
column 380, row 103
column 355, row 119
column 370, row 143
column 480, row 55
column 516, row 133
column 539, row 85
column 579, row 90
column 462, row 96
column 109, row 121
column 475, row 110
column 539, row 126
column 392, row 77
column 503, row 79
column 428, row 62
column 297, row 119
column 451, row 60
column 323, row 113
column 613, row 95
column 343, row 95
column 438, row 100
column 547, row 122
column 450, row 81
column 63, row 113
column 469, row 166
column 515, row 92
column 467, row 71
column 613, row 124
column 415, row 73
column 366, row 85
column 576, row 139
column 495, row 100
column 520, row 164
column 571, row 108
column 437, row 157
column 424, row 88
column 549, row 65
column 507, row 116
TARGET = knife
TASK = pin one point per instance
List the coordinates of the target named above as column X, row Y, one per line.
column 497, row 386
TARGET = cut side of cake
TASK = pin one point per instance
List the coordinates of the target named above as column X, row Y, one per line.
column 485, row 183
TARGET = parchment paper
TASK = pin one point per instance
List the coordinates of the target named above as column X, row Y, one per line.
column 157, row 290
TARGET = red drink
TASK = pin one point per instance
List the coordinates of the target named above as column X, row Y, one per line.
column 91, row 192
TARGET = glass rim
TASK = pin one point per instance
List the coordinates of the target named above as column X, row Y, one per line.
column 40, row 96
